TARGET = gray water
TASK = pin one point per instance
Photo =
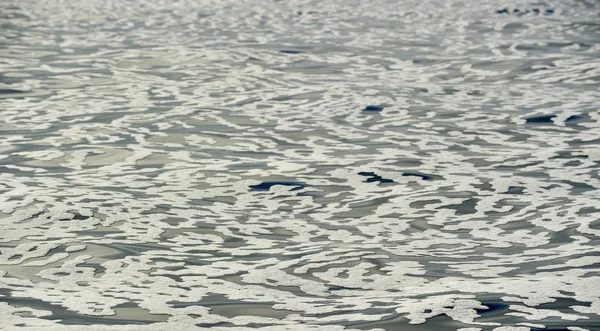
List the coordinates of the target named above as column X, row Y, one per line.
column 299, row 165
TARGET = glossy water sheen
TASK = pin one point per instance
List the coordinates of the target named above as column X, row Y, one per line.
column 299, row 165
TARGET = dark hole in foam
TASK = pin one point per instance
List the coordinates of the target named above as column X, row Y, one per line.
column 423, row 176
column 492, row 307
column 573, row 118
column 515, row 190
column 540, row 119
column 266, row 186
column 548, row 119
column 374, row 178
column 78, row 216
column 291, row 51
column 373, row 108
column 339, row 288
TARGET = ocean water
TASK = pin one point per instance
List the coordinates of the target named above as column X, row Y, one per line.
column 299, row 165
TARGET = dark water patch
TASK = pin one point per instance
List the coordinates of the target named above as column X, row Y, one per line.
column 340, row 288
column 515, row 190
column 78, row 216
column 492, row 307
column 540, row 119
column 374, row 177
column 414, row 174
column 373, row 108
column 266, row 186
column 574, row 118
column 291, row 51
column 549, row 119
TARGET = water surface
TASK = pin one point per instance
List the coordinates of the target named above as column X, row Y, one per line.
column 299, row 165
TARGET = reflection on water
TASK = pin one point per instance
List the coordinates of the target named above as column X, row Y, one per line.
column 299, row 165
